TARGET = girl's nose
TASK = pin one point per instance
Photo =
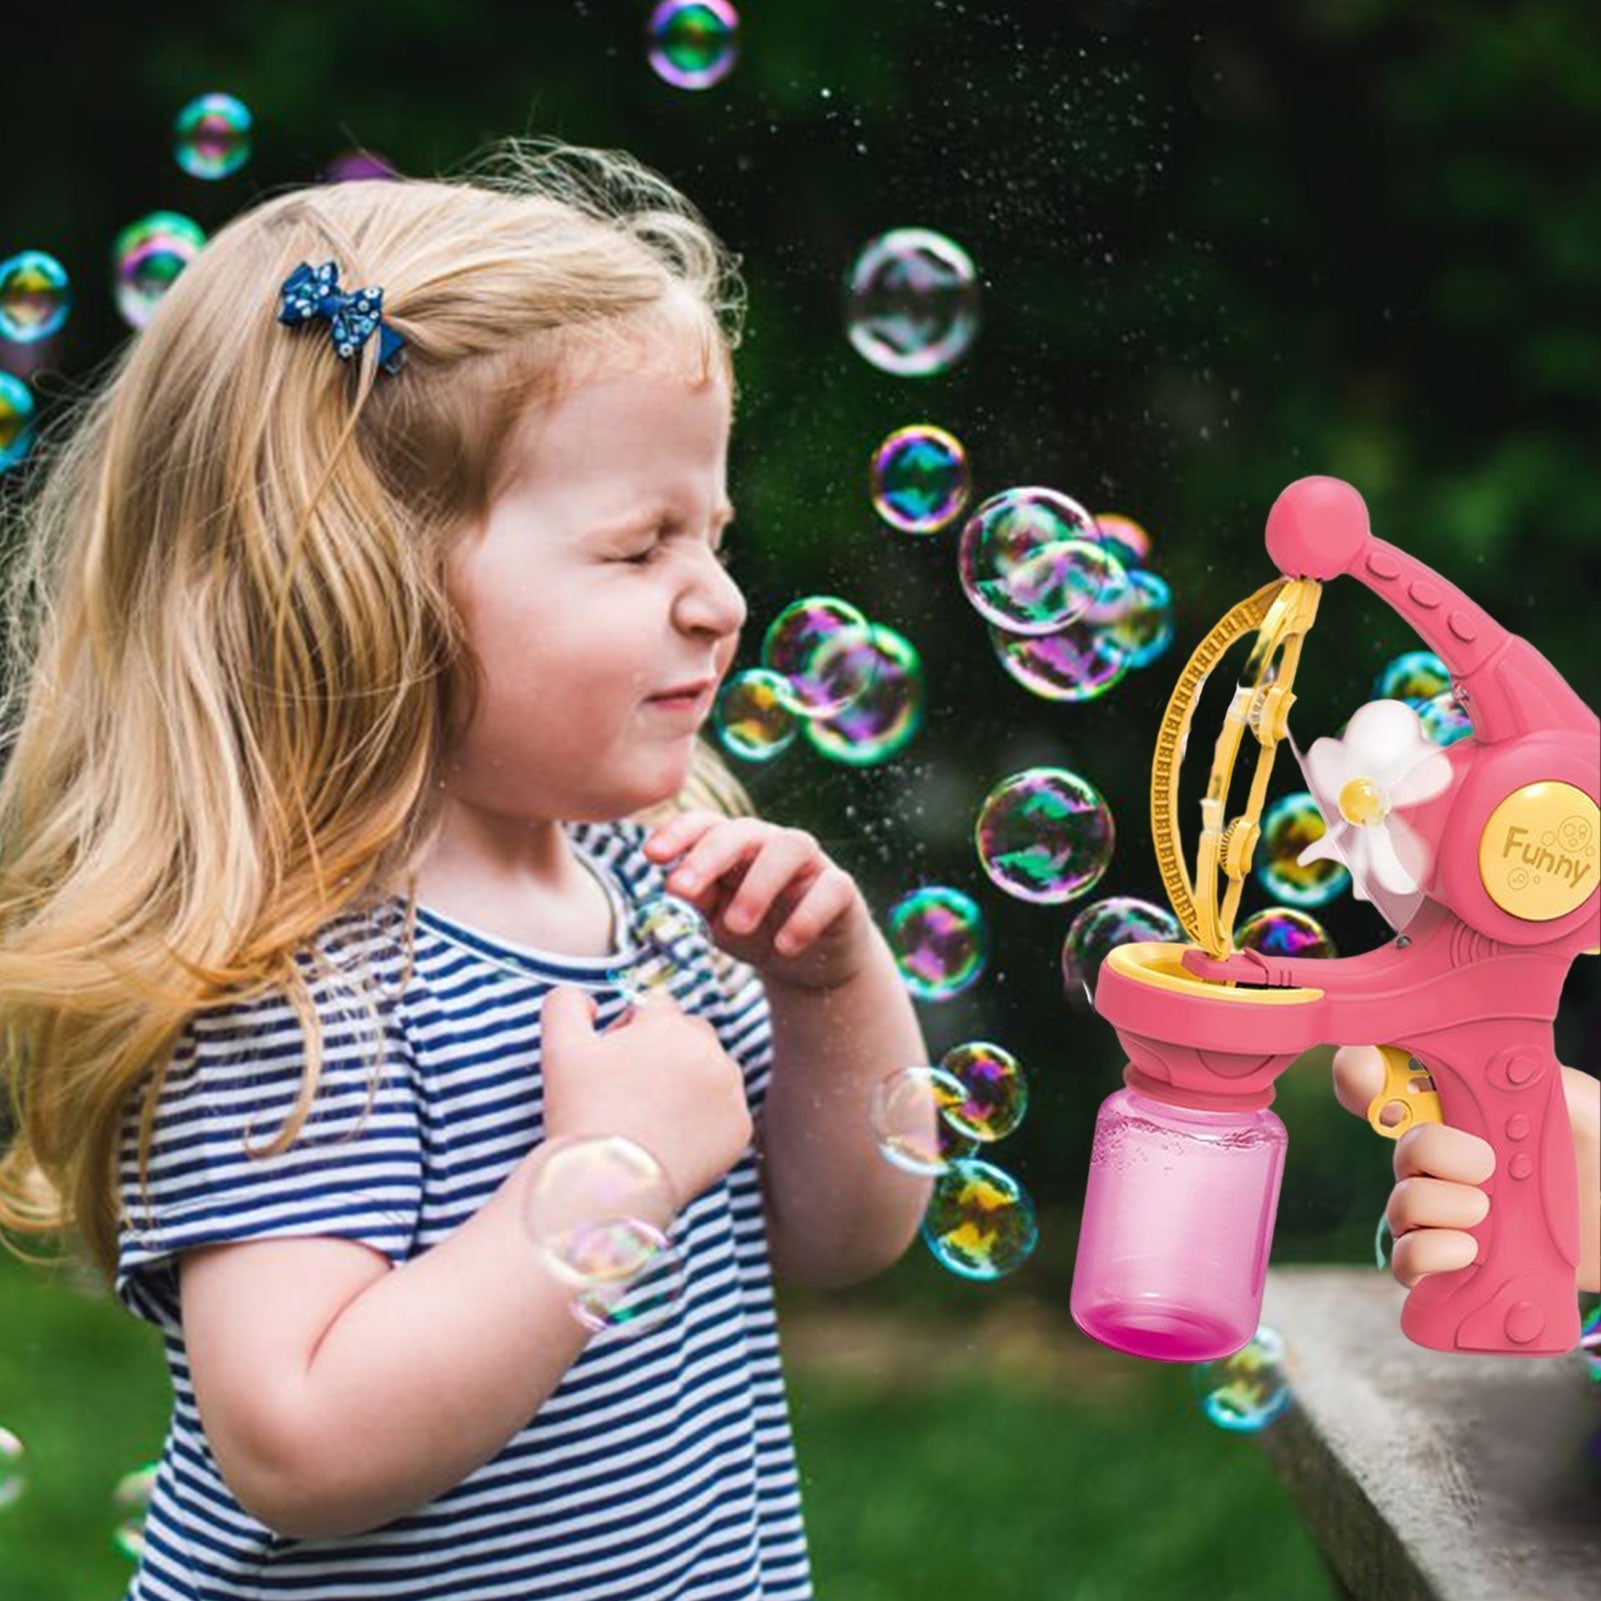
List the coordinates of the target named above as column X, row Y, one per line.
column 712, row 601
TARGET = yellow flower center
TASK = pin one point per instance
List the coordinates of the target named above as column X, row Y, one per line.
column 1362, row 802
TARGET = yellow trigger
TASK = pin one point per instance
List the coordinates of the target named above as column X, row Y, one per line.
column 1403, row 1090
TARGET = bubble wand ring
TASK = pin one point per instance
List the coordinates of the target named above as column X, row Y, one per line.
column 1490, row 880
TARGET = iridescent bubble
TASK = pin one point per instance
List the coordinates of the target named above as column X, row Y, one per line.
column 908, row 1122
column 822, row 648
column 1383, row 1239
column 1099, row 929
column 1044, row 835
column 35, row 297
column 131, row 1498
column 357, row 166
column 16, row 420
column 640, row 1302
column 1029, row 562
column 693, row 43
column 1144, row 627
column 211, row 137
column 750, row 717
column 1284, row 931
column 940, row 941
column 1126, row 539
column 596, row 1209
column 1590, row 1342
column 980, row 1221
column 147, row 257
column 995, row 1091
column 1078, row 663
column 1418, row 675
column 912, row 302
column 1444, row 721
column 1246, row 1392
column 12, row 1480
column 670, row 936
column 1289, row 825
column 920, row 478
column 881, row 721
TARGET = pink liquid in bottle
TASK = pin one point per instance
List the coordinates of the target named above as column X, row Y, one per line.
column 1178, row 1223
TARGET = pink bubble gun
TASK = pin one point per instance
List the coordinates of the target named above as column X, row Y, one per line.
column 1481, row 854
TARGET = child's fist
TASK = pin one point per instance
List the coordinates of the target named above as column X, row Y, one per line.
column 1438, row 1170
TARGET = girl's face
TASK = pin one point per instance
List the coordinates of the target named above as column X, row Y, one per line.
column 593, row 588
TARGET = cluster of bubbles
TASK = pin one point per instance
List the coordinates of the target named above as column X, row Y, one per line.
column 980, row 1221
column 599, row 1211
column 854, row 686
column 1423, row 681
column 693, row 44
column 130, row 1499
column 212, row 140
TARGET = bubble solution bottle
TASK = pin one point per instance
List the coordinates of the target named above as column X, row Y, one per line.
column 1177, row 1226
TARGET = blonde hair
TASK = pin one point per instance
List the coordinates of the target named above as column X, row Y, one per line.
column 231, row 659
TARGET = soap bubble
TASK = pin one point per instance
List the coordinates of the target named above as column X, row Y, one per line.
column 750, row 717
column 920, row 478
column 1284, row 931
column 939, row 940
column 597, row 1208
column 1383, row 1240
column 1044, row 835
column 1100, row 928
column 995, row 1092
column 358, row 166
column 909, row 1124
column 1590, row 1342
column 1290, row 824
column 881, row 721
column 35, row 297
column 147, row 257
column 1246, row 1392
column 1417, row 675
column 1143, row 628
column 693, row 43
column 1080, row 662
column 822, row 648
column 912, row 302
column 12, row 1480
column 643, row 1301
column 211, row 136
column 1444, row 720
column 670, row 936
column 132, row 1501
column 1029, row 563
column 1124, row 538
column 16, row 420
column 980, row 1221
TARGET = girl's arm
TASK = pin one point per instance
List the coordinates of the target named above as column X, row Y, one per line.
column 338, row 1394
column 837, row 1210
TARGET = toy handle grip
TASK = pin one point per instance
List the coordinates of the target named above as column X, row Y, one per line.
column 1499, row 1079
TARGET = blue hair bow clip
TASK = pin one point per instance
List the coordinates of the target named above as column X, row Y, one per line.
column 314, row 292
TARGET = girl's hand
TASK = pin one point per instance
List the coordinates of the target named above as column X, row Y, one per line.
column 773, row 899
column 1439, row 1170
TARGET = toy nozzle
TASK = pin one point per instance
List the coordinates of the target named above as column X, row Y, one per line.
column 1317, row 528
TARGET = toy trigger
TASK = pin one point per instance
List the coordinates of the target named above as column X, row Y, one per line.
column 1408, row 1089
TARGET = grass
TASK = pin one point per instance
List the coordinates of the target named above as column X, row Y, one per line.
column 944, row 1457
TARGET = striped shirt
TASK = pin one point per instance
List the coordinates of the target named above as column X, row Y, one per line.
column 661, row 1466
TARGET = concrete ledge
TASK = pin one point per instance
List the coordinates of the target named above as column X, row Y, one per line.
column 1424, row 1476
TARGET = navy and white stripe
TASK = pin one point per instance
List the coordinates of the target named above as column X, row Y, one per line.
column 661, row 1466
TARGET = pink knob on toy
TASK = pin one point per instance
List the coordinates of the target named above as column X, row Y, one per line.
column 1317, row 528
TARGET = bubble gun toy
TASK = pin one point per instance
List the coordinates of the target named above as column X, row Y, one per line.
column 1482, row 855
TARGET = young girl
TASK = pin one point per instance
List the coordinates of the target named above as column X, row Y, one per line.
column 375, row 599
